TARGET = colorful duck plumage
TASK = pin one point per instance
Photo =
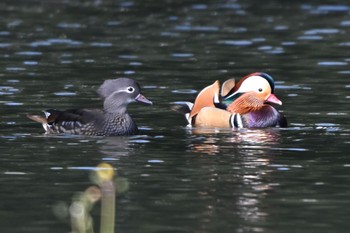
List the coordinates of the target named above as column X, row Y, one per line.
column 245, row 104
column 112, row 120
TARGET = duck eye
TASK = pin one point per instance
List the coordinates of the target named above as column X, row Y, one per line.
column 130, row 89
column 260, row 89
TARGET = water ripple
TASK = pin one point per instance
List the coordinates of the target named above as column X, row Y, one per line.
column 326, row 9
column 344, row 44
column 4, row 33
column 101, row 44
column 231, row 6
column 170, row 34
column 113, row 23
column 10, row 103
column 65, row 93
column 281, row 27
column 182, row 55
column 332, row 63
column 235, row 42
column 70, row 25
column 310, row 37
column 30, row 63
column 128, row 56
column 184, row 91
column 271, row 49
column 291, row 149
column 140, row 141
column 29, row 53
column 15, row 69
column 199, row 7
column 322, row 31
column 135, row 63
column 196, row 28
column 5, row 45
column 8, row 90
column 333, row 8
column 292, row 87
column 288, row 43
column 345, row 23
column 155, row 161
column 55, row 41
column 15, row 173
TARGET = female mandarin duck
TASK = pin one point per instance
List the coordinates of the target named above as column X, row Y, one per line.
column 112, row 120
column 242, row 105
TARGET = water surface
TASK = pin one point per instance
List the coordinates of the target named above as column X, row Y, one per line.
column 55, row 54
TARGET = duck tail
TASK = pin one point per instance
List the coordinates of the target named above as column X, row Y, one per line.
column 37, row 118
column 42, row 120
column 183, row 108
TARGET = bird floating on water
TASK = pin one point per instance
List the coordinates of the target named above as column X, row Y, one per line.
column 112, row 120
column 245, row 104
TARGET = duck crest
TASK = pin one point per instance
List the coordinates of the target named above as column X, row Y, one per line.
column 267, row 77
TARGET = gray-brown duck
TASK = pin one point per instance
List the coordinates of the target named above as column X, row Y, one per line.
column 112, row 120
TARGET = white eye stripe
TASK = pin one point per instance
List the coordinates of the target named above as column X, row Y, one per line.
column 126, row 90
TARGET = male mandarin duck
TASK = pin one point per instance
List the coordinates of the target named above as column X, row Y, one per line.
column 246, row 104
column 112, row 120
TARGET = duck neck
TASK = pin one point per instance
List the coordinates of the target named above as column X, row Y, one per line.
column 114, row 106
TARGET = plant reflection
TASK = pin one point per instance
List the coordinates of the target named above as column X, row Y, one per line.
column 105, row 191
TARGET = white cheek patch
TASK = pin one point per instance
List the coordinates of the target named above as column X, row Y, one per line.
column 253, row 83
column 119, row 91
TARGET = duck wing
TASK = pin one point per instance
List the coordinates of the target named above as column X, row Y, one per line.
column 73, row 121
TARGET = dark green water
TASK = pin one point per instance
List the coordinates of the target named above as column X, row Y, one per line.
column 54, row 54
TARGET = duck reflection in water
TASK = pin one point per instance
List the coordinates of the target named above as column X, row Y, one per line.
column 218, row 140
column 239, row 165
column 115, row 147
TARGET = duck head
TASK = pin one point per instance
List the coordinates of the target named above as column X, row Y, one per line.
column 118, row 93
column 251, row 94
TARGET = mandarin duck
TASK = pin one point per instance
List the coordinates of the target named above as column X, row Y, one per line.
column 112, row 120
column 246, row 104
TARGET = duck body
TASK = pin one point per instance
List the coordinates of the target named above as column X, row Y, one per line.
column 93, row 122
column 112, row 120
column 246, row 104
